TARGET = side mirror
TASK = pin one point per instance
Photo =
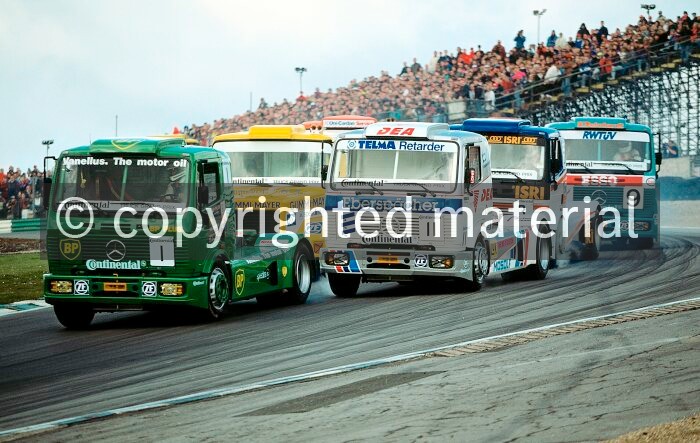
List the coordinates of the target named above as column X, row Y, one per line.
column 324, row 172
column 556, row 166
column 659, row 158
column 202, row 195
column 46, row 193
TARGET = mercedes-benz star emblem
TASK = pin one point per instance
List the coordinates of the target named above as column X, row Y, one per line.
column 116, row 250
column 599, row 196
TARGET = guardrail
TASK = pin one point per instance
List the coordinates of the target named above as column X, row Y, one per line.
column 20, row 225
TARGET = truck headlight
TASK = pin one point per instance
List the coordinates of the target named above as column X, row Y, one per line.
column 337, row 259
column 171, row 289
column 441, row 261
column 62, row 286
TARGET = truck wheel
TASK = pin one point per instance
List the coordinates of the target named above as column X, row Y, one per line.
column 302, row 278
column 344, row 285
column 74, row 316
column 591, row 251
column 538, row 271
column 480, row 266
column 219, row 292
column 642, row 242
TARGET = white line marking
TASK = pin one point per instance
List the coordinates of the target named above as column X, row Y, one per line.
column 222, row 392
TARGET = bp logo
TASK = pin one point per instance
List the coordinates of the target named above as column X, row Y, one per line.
column 149, row 289
column 70, row 248
column 240, row 281
column 421, row 261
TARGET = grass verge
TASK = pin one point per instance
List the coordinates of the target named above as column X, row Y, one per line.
column 21, row 276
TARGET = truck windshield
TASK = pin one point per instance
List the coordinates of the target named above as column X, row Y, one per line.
column 357, row 161
column 527, row 160
column 110, row 183
column 608, row 150
column 279, row 161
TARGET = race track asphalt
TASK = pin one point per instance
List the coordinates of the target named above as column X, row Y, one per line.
column 47, row 373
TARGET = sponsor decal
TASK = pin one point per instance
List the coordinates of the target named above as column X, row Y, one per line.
column 355, row 203
column 512, row 140
column 117, row 266
column 115, row 250
column 395, row 144
column 589, row 124
column 529, row 192
column 601, row 180
column 69, row 248
column 501, row 265
column 239, row 281
column 284, row 271
column 404, row 132
column 149, row 289
column 315, row 228
column 81, row 287
column 197, row 283
column 420, row 261
column 599, row 135
column 388, row 239
column 264, row 275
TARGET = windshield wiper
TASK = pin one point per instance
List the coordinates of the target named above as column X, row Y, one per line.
column 505, row 171
column 374, row 189
column 581, row 165
column 623, row 165
column 425, row 188
column 300, row 184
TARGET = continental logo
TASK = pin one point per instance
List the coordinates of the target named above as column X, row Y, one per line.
column 69, row 248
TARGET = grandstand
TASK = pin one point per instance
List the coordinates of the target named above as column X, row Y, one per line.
column 647, row 72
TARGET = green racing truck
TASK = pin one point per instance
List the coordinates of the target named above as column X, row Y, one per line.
column 138, row 224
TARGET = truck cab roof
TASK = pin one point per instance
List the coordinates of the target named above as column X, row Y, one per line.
column 503, row 126
column 148, row 146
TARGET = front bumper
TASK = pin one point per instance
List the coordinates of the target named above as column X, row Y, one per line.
column 104, row 293
column 377, row 264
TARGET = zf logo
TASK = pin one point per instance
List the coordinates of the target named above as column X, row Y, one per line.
column 148, row 288
column 81, row 287
column 421, row 261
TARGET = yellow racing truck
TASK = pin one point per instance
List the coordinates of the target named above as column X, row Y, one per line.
column 276, row 167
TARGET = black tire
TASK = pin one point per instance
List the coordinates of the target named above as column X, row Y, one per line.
column 480, row 266
column 591, row 250
column 642, row 243
column 303, row 277
column 218, row 291
column 344, row 285
column 539, row 270
column 74, row 316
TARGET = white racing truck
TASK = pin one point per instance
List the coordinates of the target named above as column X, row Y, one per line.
column 413, row 201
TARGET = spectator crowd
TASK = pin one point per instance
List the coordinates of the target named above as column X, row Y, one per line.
column 20, row 190
column 487, row 79
column 490, row 79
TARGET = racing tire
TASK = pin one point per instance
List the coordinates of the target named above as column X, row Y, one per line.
column 218, row 292
column 74, row 316
column 539, row 270
column 480, row 266
column 344, row 285
column 303, row 277
column 590, row 251
column 642, row 243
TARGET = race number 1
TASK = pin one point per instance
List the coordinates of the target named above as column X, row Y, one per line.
column 162, row 251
